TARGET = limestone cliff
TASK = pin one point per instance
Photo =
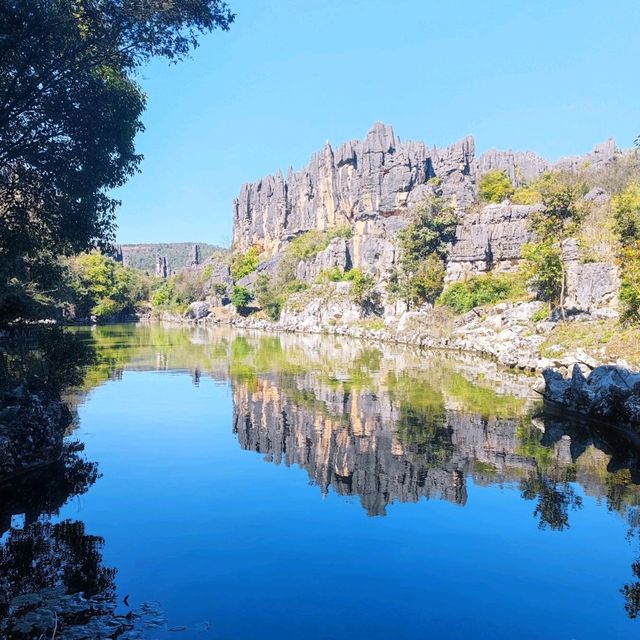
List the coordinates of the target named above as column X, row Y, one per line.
column 370, row 185
column 379, row 176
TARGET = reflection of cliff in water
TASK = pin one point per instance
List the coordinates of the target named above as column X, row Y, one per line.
column 409, row 440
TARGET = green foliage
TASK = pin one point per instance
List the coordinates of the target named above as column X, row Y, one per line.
column 181, row 289
column 70, row 109
column 240, row 297
column 103, row 287
column 272, row 297
column 495, row 186
column 245, row 263
column 540, row 315
column 561, row 215
column 432, row 228
column 425, row 283
column 630, row 282
column 218, row 288
column 425, row 245
column 544, row 268
column 362, row 292
column 527, row 194
column 482, row 290
column 626, row 213
column 335, row 274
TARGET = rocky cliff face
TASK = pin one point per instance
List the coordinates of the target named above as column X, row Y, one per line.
column 379, row 176
column 370, row 185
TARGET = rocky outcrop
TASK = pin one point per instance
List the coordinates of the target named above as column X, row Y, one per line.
column 608, row 393
column 590, row 286
column 369, row 188
column 489, row 238
column 194, row 258
column 520, row 166
column 162, row 267
column 380, row 176
column 178, row 254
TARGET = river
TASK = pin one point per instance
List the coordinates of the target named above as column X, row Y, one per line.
column 257, row 486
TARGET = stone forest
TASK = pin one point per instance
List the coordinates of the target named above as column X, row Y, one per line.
column 402, row 399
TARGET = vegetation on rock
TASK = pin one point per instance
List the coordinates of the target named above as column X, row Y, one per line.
column 495, row 186
column 477, row 291
column 425, row 246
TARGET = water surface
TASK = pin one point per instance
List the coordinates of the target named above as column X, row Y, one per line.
column 261, row 486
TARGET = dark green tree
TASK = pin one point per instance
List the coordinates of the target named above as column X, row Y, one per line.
column 69, row 112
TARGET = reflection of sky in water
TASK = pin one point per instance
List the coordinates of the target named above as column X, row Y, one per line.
column 195, row 519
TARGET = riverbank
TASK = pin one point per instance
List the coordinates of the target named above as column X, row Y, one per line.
column 508, row 333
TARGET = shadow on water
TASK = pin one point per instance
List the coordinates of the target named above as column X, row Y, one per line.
column 383, row 426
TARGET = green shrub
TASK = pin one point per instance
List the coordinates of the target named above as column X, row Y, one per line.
column 335, row 274
column 103, row 287
column 218, row 289
column 432, row 229
column 272, row 298
column 540, row 315
column 482, row 290
column 163, row 295
column 626, row 213
column 240, row 297
column 245, row 263
column 427, row 281
column 544, row 268
column 311, row 243
column 495, row 186
column 526, row 195
column 630, row 282
column 361, row 287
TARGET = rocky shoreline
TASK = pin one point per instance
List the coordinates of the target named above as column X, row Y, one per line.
column 504, row 333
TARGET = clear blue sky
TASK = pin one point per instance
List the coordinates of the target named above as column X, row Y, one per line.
column 550, row 76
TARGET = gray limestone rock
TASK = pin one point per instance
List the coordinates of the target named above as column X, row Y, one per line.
column 489, row 238
column 197, row 310
column 375, row 175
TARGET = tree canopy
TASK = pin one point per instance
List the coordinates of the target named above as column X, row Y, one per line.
column 70, row 108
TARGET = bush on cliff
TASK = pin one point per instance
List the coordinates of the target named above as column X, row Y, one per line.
column 630, row 282
column 544, row 269
column 245, row 263
column 477, row 291
column 561, row 217
column 495, row 186
column 240, row 297
column 626, row 213
column 178, row 291
column 425, row 245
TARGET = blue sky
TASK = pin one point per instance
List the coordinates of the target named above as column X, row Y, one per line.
column 549, row 76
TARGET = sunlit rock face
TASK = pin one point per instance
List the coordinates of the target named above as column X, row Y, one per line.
column 379, row 176
column 370, row 186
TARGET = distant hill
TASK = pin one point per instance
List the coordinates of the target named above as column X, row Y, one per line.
column 144, row 256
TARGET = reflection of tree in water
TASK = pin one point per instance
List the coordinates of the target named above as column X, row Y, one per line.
column 631, row 592
column 46, row 555
column 555, row 498
column 46, row 490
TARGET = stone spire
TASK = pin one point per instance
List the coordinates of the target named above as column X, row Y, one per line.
column 162, row 266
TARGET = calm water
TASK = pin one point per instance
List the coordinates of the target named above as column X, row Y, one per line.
column 288, row 487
